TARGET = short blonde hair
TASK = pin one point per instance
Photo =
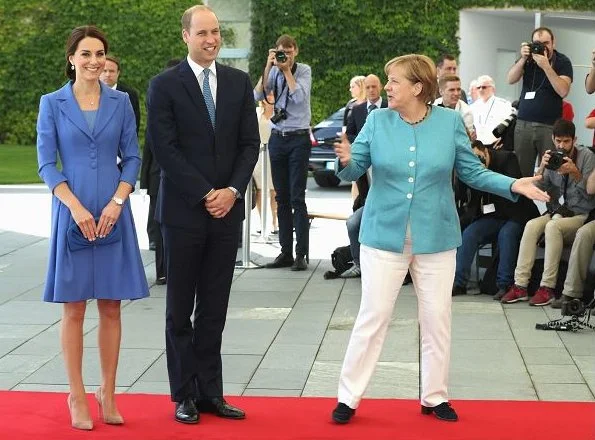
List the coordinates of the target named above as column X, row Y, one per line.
column 417, row 69
column 359, row 81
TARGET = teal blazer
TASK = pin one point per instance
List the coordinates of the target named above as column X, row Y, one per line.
column 412, row 169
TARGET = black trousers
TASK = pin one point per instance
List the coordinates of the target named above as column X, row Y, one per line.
column 200, row 265
column 154, row 233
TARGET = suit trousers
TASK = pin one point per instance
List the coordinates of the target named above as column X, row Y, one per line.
column 383, row 273
column 578, row 264
column 558, row 232
column 200, row 264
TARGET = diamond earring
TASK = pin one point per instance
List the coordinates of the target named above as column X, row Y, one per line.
column 72, row 67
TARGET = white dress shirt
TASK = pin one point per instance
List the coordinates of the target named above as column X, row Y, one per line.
column 487, row 115
column 200, row 76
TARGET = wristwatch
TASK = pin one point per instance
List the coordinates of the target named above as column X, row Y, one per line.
column 118, row 201
column 234, row 191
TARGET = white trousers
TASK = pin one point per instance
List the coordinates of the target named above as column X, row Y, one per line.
column 383, row 273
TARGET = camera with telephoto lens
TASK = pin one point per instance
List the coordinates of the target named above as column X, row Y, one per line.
column 499, row 130
column 556, row 160
column 574, row 307
column 280, row 114
column 280, row 56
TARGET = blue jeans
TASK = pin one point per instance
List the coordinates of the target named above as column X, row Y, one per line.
column 289, row 169
column 353, row 224
column 486, row 230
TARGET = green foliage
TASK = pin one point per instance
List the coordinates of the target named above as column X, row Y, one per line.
column 143, row 34
column 343, row 38
column 18, row 164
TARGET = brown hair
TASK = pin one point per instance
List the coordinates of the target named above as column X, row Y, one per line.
column 286, row 41
column 539, row 30
column 114, row 60
column 417, row 69
column 447, row 78
column 75, row 38
column 188, row 13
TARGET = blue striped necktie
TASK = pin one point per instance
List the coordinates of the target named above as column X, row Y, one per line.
column 206, row 91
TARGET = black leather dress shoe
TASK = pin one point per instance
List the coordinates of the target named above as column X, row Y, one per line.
column 299, row 263
column 161, row 281
column 152, row 246
column 219, row 407
column 186, row 411
column 282, row 260
column 443, row 411
column 342, row 414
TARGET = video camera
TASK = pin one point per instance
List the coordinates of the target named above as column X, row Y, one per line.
column 556, row 160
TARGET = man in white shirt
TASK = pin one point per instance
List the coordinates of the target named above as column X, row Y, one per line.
column 488, row 111
column 450, row 89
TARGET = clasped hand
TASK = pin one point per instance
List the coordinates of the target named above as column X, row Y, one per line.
column 86, row 222
column 220, row 202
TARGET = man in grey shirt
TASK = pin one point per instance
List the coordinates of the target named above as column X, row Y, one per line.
column 565, row 172
column 289, row 146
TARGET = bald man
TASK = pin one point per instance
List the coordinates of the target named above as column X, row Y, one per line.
column 360, row 112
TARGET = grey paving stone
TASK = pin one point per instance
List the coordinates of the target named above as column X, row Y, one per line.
column 274, row 275
column 480, row 326
column 241, row 299
column 12, row 241
column 266, row 392
column 9, row 344
column 581, row 343
column 147, row 387
column 137, row 332
column 272, row 285
column 555, row 374
column 239, row 368
column 23, row 363
column 153, row 306
column 564, row 392
column 12, row 287
column 48, row 341
column 483, row 391
column 35, row 294
column 301, row 332
column 59, row 388
column 528, row 337
column 132, row 364
column 258, row 313
column 491, row 379
column 546, row 356
column 487, row 356
column 23, row 312
column 586, row 365
column 233, row 389
column 249, row 336
column 289, row 356
column 279, row 378
column 10, row 380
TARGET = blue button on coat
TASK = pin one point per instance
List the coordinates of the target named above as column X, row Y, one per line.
column 88, row 165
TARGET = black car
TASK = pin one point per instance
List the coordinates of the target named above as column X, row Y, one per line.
column 322, row 154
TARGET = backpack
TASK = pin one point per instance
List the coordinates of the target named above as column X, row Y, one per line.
column 341, row 260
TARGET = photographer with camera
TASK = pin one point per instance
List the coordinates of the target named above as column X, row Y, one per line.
column 289, row 146
column 565, row 171
column 547, row 75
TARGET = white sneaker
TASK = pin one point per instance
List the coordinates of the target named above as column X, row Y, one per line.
column 353, row 272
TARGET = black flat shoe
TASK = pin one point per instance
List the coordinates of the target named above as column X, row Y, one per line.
column 220, row 408
column 342, row 414
column 161, row 281
column 444, row 411
column 186, row 412
column 282, row 260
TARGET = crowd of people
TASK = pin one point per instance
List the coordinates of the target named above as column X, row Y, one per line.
column 203, row 141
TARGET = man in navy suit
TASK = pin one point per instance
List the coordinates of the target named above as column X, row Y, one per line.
column 360, row 111
column 205, row 137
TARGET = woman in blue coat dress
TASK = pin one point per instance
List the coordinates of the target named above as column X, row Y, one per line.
column 94, row 250
column 410, row 223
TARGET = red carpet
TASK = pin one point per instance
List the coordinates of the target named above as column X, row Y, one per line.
column 44, row 416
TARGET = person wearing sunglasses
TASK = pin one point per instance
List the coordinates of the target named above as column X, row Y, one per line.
column 488, row 111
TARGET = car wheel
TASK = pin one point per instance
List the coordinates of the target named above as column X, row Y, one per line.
column 326, row 179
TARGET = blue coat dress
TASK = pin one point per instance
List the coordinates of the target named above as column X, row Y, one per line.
column 112, row 271
column 412, row 168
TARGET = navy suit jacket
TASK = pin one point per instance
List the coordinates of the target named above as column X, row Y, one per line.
column 195, row 157
column 133, row 100
column 359, row 113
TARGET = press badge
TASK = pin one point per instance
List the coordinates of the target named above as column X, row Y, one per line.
column 488, row 209
column 530, row 95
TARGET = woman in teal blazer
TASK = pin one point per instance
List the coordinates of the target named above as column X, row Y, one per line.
column 410, row 223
